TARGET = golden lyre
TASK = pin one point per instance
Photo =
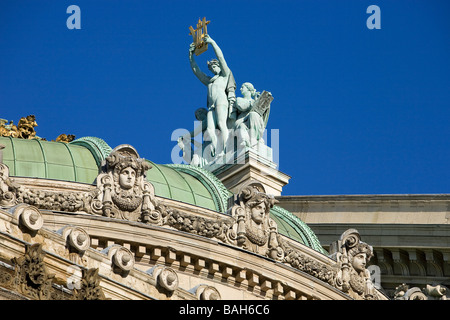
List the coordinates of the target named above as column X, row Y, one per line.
column 198, row 34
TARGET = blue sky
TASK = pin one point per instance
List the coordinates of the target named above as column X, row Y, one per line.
column 358, row 111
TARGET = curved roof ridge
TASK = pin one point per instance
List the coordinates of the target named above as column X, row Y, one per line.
column 98, row 147
column 210, row 181
column 308, row 236
column 81, row 161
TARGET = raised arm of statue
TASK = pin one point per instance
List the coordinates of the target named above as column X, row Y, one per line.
column 195, row 68
column 226, row 71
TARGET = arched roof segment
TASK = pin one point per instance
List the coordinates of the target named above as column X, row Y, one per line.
column 49, row 160
column 291, row 226
column 80, row 161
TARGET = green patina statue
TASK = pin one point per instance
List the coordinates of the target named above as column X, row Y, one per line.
column 225, row 119
column 221, row 94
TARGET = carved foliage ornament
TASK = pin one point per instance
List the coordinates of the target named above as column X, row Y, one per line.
column 90, row 287
column 32, row 279
column 31, row 276
column 12, row 194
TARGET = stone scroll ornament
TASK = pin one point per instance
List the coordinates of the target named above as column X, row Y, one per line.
column 122, row 190
column 7, row 187
column 254, row 229
column 352, row 256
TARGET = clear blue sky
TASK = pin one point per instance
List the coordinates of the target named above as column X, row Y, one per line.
column 358, row 111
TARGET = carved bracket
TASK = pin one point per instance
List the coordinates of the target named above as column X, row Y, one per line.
column 166, row 277
column 121, row 257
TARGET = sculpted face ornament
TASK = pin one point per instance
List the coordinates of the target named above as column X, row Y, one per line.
column 123, row 191
column 254, row 229
column 352, row 256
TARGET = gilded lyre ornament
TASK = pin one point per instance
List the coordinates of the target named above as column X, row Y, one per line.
column 198, row 34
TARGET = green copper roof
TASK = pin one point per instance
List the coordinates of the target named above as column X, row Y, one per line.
column 51, row 160
column 80, row 160
column 185, row 185
column 294, row 228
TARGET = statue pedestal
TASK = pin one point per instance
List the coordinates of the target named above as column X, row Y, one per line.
column 251, row 164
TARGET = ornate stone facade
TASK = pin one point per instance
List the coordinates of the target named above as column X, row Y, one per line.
column 122, row 194
column 32, row 280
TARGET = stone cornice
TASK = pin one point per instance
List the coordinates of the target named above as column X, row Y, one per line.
column 364, row 197
column 236, row 265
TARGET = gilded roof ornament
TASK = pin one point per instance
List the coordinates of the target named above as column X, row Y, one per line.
column 25, row 129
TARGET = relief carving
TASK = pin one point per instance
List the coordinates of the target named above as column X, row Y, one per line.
column 205, row 292
column 308, row 265
column 7, row 187
column 31, row 276
column 121, row 257
column 352, row 256
column 254, row 229
column 29, row 216
column 90, row 288
column 166, row 278
column 11, row 194
column 122, row 190
column 78, row 240
column 210, row 228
